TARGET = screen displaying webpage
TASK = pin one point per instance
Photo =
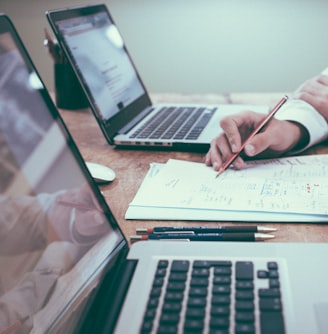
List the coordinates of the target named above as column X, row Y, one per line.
column 99, row 54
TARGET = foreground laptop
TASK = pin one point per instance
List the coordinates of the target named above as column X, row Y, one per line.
column 65, row 266
column 116, row 93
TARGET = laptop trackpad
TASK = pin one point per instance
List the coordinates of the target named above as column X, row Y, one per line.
column 321, row 313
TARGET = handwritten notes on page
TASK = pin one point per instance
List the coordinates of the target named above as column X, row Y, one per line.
column 286, row 189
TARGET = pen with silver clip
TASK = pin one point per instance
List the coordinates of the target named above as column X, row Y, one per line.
column 206, row 229
column 204, row 237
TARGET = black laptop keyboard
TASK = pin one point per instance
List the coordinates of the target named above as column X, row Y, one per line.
column 214, row 297
column 175, row 123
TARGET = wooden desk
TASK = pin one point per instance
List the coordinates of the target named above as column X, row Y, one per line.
column 132, row 165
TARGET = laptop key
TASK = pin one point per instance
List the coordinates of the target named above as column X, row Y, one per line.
column 209, row 264
column 220, row 300
column 195, row 313
column 167, row 330
column 199, row 281
column 270, row 304
column 244, row 305
column 196, row 302
column 269, row 293
column 244, row 317
column 169, row 318
column 180, row 266
column 244, row 270
column 245, row 329
column 219, row 322
column 193, row 326
column 173, row 296
column 272, row 323
column 172, row 307
column 244, row 295
column 274, row 283
column 218, row 331
column 177, row 277
column 198, row 291
column 244, row 285
column 220, row 311
column 221, row 290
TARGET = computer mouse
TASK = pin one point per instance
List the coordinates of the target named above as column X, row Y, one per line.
column 101, row 174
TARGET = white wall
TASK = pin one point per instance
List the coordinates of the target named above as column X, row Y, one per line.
column 202, row 45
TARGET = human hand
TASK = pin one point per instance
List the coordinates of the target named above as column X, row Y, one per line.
column 75, row 216
column 315, row 92
column 277, row 138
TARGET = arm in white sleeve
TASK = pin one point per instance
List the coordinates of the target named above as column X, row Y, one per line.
column 301, row 112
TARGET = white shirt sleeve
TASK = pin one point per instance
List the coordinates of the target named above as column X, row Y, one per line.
column 303, row 113
column 325, row 71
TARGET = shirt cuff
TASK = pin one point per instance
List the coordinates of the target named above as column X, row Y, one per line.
column 301, row 112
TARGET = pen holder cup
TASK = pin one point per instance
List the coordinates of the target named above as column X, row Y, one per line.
column 68, row 92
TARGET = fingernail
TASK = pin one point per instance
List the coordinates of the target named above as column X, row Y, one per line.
column 250, row 149
column 215, row 165
column 233, row 148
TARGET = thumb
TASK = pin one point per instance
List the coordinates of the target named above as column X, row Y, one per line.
column 257, row 145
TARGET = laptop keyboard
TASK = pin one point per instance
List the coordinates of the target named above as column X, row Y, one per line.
column 175, row 123
column 214, row 297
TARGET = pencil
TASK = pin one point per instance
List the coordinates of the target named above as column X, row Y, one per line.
column 258, row 129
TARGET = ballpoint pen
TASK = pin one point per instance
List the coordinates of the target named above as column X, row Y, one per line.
column 258, row 129
column 205, row 237
column 205, row 229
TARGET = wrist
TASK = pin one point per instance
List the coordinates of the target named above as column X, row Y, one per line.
column 300, row 136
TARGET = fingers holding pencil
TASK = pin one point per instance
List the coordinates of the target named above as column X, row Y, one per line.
column 243, row 134
column 236, row 129
column 260, row 127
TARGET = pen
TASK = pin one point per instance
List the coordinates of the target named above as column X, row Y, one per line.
column 203, row 229
column 205, row 237
column 258, row 129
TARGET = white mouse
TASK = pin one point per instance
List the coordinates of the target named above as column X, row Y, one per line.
column 101, row 174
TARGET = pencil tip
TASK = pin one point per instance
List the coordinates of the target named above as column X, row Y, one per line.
column 220, row 171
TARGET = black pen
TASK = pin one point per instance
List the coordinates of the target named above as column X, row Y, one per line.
column 205, row 229
column 205, row 237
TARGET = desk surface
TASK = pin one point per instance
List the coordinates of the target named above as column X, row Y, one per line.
column 131, row 166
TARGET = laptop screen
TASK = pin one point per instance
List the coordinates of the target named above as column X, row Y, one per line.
column 97, row 53
column 54, row 223
column 98, row 50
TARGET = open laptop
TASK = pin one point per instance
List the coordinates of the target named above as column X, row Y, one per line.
column 116, row 93
column 65, row 265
